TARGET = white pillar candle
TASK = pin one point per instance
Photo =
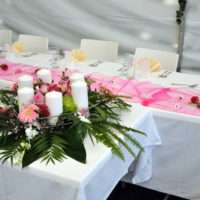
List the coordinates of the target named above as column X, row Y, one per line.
column 25, row 96
column 54, row 102
column 45, row 75
column 25, row 81
column 80, row 94
column 76, row 77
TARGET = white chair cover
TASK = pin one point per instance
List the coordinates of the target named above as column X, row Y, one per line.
column 168, row 60
column 34, row 43
column 100, row 50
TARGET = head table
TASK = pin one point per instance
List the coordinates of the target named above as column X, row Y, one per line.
column 169, row 163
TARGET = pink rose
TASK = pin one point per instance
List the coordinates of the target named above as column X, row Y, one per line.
column 39, row 98
column 44, row 88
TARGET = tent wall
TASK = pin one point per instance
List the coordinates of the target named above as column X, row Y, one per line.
column 133, row 23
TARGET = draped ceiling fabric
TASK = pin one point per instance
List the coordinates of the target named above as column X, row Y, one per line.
column 133, row 23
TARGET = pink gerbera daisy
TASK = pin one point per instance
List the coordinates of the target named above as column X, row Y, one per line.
column 28, row 114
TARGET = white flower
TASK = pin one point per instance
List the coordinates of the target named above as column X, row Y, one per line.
column 31, row 133
column 36, row 124
column 2, row 105
column 177, row 106
column 84, row 119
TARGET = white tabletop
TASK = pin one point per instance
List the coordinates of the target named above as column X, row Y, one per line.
column 97, row 178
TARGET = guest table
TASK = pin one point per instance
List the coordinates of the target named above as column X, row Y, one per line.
column 96, row 179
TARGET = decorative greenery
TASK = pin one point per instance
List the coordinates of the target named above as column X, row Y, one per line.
column 180, row 13
column 23, row 143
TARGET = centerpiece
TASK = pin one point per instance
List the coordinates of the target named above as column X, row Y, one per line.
column 49, row 121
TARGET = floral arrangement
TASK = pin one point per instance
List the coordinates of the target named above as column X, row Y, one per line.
column 27, row 133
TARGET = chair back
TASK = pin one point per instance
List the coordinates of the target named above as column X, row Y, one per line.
column 35, row 44
column 5, row 37
column 100, row 50
column 168, row 60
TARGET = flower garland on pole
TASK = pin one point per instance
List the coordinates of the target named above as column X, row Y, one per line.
column 180, row 20
column 29, row 131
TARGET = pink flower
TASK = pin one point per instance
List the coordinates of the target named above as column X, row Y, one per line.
column 2, row 110
column 64, row 87
column 54, row 87
column 28, row 114
column 14, row 87
column 39, row 98
column 18, row 71
column 83, row 112
column 44, row 88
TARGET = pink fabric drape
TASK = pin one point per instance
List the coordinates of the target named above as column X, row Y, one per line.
column 144, row 92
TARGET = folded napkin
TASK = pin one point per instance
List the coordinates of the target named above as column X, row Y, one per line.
column 78, row 55
column 153, row 65
column 18, row 47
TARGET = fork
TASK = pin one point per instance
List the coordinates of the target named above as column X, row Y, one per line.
column 180, row 84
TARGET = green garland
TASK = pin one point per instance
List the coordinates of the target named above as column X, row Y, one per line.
column 55, row 143
column 180, row 13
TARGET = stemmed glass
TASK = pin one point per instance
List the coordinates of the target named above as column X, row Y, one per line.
column 5, row 49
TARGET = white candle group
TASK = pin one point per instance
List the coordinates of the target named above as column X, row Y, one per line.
column 25, row 96
column 25, row 81
column 80, row 94
column 55, row 105
column 45, row 75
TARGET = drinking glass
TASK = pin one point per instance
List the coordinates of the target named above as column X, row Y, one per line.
column 127, row 61
column 53, row 52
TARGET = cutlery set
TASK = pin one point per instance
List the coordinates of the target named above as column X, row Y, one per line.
column 165, row 74
column 95, row 64
column 124, row 68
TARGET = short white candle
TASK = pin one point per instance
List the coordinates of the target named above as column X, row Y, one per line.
column 25, row 96
column 45, row 75
column 76, row 77
column 25, row 81
column 80, row 94
column 53, row 101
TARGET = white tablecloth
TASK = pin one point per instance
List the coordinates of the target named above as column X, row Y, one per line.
column 73, row 180
column 97, row 178
column 176, row 162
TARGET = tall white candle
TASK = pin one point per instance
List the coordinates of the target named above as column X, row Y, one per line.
column 25, row 81
column 25, row 96
column 45, row 75
column 80, row 94
column 76, row 77
column 53, row 101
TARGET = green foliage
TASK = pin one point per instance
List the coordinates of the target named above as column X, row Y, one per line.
column 180, row 13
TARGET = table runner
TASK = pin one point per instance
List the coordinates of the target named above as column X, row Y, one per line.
column 144, row 92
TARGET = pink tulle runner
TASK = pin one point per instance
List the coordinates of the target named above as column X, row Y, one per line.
column 144, row 92
column 15, row 70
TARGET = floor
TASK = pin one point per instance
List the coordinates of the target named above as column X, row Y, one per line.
column 133, row 192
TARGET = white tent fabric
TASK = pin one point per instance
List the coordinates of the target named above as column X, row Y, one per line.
column 138, row 23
